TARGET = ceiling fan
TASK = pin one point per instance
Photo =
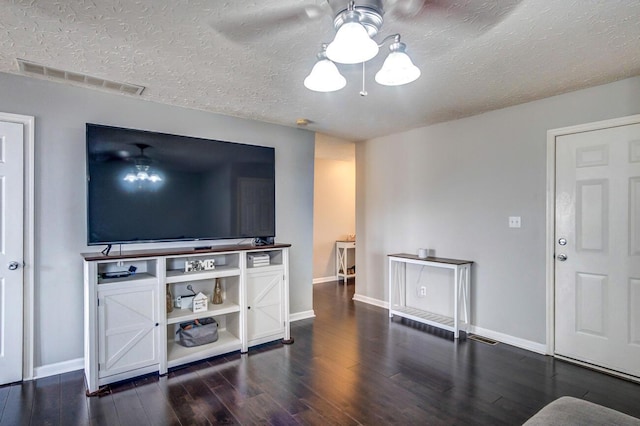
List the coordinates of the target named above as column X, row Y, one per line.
column 142, row 167
column 253, row 22
column 250, row 23
column 356, row 23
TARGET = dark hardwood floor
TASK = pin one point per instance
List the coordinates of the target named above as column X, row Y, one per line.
column 349, row 365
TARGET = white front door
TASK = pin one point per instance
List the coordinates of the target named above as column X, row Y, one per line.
column 11, row 251
column 597, row 247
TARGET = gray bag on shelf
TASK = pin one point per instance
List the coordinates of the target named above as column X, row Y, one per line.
column 198, row 332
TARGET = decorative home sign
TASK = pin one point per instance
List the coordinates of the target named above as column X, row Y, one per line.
column 200, row 303
column 199, row 265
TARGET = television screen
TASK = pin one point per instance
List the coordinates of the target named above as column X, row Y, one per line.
column 145, row 187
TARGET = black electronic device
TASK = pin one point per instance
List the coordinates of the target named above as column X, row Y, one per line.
column 120, row 274
column 146, row 187
column 263, row 241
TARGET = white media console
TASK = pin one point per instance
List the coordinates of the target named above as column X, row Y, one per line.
column 128, row 331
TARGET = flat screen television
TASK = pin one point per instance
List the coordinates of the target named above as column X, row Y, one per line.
column 149, row 187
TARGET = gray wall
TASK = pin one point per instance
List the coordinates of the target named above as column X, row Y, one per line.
column 60, row 115
column 452, row 186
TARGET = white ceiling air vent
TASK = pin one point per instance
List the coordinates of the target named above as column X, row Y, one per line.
column 77, row 78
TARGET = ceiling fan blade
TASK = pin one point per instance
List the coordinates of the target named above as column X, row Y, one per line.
column 404, row 8
column 446, row 23
column 254, row 24
column 483, row 13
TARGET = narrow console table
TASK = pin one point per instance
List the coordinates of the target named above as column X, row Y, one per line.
column 342, row 259
column 461, row 287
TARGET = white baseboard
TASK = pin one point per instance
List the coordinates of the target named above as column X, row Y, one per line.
column 58, row 368
column 324, row 280
column 371, row 301
column 302, row 315
column 540, row 348
column 78, row 363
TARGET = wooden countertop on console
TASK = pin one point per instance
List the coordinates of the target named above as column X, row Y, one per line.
column 431, row 259
column 178, row 251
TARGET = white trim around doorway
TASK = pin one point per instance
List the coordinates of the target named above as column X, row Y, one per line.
column 28, row 123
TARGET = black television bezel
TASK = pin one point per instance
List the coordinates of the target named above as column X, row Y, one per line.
column 255, row 238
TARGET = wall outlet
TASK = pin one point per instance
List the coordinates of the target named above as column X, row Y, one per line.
column 514, row 222
column 423, row 291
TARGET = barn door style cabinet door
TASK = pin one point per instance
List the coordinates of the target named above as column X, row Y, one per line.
column 127, row 328
column 129, row 331
column 267, row 297
column 122, row 320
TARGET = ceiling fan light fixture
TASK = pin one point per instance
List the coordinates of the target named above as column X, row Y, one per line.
column 324, row 76
column 130, row 177
column 142, row 174
column 155, row 178
column 142, row 169
column 397, row 69
column 352, row 44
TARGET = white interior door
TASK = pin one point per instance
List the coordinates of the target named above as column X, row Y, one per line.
column 597, row 246
column 11, row 251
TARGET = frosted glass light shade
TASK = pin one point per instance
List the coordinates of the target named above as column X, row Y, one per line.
column 397, row 70
column 325, row 77
column 352, row 45
column 142, row 174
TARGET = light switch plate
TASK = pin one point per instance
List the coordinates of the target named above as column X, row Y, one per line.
column 514, row 222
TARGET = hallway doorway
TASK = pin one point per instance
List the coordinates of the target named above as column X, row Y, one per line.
column 334, row 215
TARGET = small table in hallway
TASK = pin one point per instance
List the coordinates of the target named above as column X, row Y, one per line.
column 343, row 270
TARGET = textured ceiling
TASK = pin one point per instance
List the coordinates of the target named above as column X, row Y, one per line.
column 243, row 58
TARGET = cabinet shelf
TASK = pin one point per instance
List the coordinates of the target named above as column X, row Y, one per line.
column 178, row 355
column 179, row 276
column 136, row 278
column 267, row 268
column 182, row 315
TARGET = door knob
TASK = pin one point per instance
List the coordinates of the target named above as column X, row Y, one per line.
column 14, row 265
column 561, row 257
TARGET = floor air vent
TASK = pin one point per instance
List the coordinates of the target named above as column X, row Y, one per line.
column 483, row 339
column 77, row 78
